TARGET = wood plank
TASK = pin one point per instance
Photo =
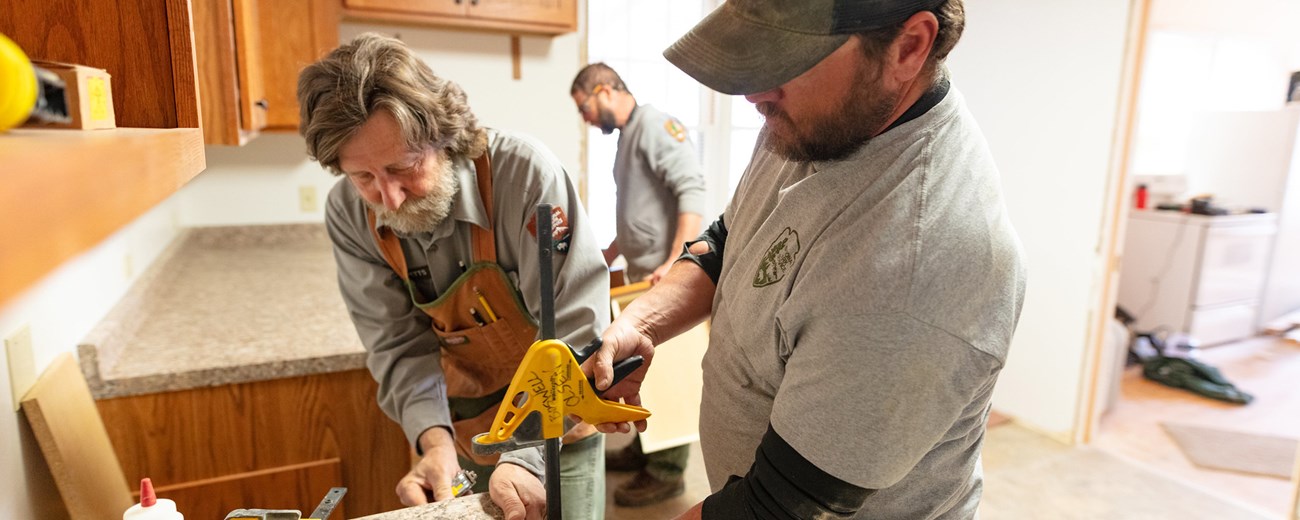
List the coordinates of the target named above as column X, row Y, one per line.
column 299, row 486
column 515, row 65
column 75, row 444
column 68, row 190
column 209, row 433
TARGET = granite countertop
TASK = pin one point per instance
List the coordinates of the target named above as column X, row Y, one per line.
column 225, row 305
column 473, row 507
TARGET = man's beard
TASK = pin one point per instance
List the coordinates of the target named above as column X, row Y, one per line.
column 835, row 136
column 422, row 214
column 606, row 119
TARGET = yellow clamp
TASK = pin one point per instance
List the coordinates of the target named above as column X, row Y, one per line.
column 550, row 382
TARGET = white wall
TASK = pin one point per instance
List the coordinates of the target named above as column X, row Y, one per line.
column 259, row 184
column 1043, row 80
column 60, row 310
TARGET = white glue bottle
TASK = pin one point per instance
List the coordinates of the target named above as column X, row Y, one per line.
column 151, row 507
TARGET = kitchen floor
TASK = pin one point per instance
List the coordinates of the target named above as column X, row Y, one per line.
column 1132, row 470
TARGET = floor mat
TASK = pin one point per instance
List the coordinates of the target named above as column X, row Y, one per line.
column 1228, row 450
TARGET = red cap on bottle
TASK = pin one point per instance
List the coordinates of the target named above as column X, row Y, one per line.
column 147, row 497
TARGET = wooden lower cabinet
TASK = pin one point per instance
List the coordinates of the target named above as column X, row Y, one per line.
column 277, row 444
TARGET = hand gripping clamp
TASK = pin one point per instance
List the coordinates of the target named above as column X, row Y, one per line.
column 548, row 387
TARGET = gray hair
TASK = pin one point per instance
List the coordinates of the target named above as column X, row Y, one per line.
column 337, row 94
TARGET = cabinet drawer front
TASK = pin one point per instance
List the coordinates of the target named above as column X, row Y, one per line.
column 298, row 487
column 1234, row 262
column 1218, row 325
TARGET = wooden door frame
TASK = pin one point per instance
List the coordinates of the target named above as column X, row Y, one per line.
column 1111, row 241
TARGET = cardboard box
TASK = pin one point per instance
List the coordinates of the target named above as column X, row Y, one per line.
column 89, row 94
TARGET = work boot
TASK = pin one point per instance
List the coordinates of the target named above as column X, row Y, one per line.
column 629, row 458
column 644, row 489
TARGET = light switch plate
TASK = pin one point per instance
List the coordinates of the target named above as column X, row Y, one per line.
column 22, row 369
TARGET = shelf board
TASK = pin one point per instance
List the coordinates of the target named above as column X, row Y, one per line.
column 67, row 190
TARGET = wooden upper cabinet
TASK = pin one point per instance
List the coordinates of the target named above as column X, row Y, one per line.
column 548, row 17
column 67, row 190
column 144, row 44
column 250, row 53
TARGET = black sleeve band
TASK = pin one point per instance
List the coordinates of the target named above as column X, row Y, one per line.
column 711, row 262
column 783, row 485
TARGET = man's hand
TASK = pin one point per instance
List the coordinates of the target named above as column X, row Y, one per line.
column 621, row 340
column 662, row 270
column 518, row 493
column 430, row 479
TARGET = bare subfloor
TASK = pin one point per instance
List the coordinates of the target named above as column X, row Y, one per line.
column 1133, row 470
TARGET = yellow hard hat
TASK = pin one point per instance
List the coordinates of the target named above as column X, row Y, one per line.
column 17, row 85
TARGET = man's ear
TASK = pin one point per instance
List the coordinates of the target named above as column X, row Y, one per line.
column 911, row 49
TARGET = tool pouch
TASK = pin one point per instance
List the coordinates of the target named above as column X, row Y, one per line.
column 466, row 429
column 481, row 359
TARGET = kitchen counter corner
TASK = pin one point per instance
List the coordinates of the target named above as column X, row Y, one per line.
column 225, row 305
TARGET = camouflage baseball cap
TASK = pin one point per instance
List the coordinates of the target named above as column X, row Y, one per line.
column 749, row 46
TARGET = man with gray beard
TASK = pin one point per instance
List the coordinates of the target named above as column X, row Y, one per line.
column 434, row 235
column 864, row 283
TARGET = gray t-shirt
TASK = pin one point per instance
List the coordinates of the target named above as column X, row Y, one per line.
column 864, row 310
column 658, row 176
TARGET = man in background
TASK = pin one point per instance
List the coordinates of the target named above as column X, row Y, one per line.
column 659, row 207
column 660, row 187
column 864, row 282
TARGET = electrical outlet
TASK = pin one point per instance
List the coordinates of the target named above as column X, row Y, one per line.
column 22, row 370
column 128, row 266
column 307, row 199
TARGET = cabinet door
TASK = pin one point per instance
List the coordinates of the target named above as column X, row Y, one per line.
column 248, row 51
column 561, row 13
column 294, row 34
column 227, row 46
column 436, row 7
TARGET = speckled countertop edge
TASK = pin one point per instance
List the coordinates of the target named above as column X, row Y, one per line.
column 155, row 341
column 473, row 507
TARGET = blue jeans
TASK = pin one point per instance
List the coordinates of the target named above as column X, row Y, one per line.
column 582, row 478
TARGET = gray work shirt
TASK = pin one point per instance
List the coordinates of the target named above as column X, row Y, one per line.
column 403, row 352
column 864, row 310
column 658, row 176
